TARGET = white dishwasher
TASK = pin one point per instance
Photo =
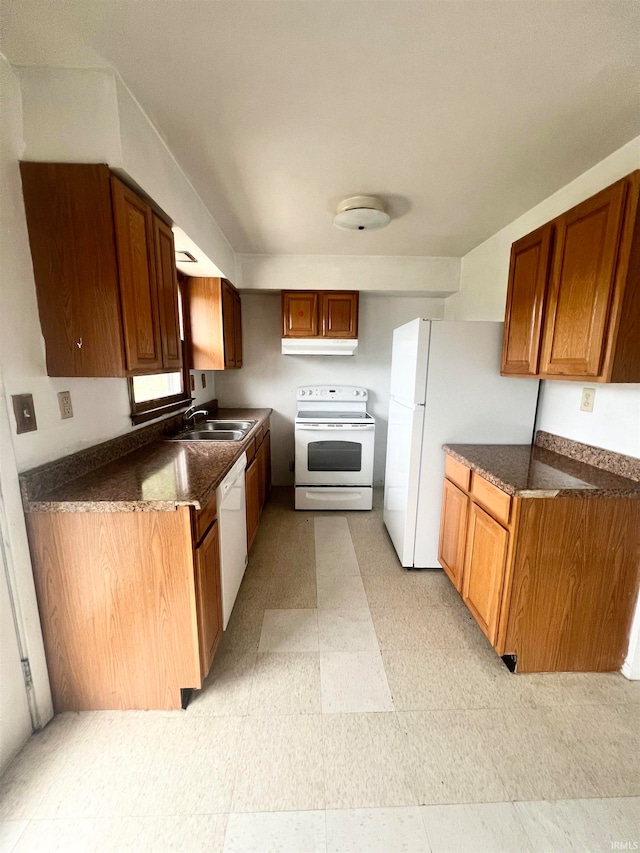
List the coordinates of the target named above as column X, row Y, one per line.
column 232, row 523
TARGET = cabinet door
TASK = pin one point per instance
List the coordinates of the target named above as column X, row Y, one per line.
column 339, row 315
column 252, row 478
column 528, row 275
column 228, row 325
column 453, row 531
column 208, row 597
column 484, row 568
column 69, row 217
column 581, row 286
column 299, row 314
column 237, row 328
column 138, row 290
column 263, row 457
column 167, row 284
column 266, row 469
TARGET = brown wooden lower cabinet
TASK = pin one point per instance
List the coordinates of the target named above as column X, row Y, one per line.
column 208, row 597
column 485, row 555
column 253, row 500
column 263, row 455
column 453, row 528
column 555, row 586
column 129, row 605
column 258, row 482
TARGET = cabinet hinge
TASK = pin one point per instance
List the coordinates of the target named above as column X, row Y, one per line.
column 26, row 673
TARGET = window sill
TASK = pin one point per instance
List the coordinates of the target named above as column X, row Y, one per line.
column 144, row 415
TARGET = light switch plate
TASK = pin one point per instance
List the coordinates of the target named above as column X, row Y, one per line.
column 25, row 413
column 64, row 401
column 588, row 397
column 204, row 379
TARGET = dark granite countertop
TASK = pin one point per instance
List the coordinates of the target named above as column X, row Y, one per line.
column 158, row 476
column 534, row 472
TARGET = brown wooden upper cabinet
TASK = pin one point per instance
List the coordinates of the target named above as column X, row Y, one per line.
column 214, row 319
column 573, row 300
column 105, row 274
column 319, row 314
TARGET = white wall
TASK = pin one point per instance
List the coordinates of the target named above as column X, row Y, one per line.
column 615, row 421
column 269, row 378
column 70, row 116
column 419, row 276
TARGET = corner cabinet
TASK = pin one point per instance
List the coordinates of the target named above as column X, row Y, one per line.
column 320, row 314
column 104, row 269
column 573, row 300
column 530, row 571
column 213, row 315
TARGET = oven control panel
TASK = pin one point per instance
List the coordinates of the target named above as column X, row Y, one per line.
column 333, row 393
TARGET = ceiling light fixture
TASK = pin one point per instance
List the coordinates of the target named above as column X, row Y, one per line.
column 361, row 213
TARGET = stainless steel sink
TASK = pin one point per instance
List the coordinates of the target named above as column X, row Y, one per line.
column 215, row 430
column 245, row 426
column 209, row 435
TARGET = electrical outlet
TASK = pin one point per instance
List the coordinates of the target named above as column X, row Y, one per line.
column 193, row 381
column 64, row 401
column 25, row 413
column 203, row 377
column 588, row 396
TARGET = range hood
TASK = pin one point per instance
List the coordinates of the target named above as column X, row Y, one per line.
column 319, row 346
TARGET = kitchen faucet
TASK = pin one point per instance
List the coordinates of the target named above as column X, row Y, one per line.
column 191, row 413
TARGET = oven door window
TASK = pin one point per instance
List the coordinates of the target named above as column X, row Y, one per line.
column 334, row 456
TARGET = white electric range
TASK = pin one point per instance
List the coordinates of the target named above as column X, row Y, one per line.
column 334, row 448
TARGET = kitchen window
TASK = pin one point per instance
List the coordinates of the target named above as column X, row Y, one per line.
column 156, row 394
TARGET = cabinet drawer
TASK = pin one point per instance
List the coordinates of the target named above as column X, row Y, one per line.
column 202, row 518
column 457, row 472
column 259, row 436
column 493, row 499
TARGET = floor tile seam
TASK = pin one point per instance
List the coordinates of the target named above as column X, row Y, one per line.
column 338, row 608
column 519, row 822
column 359, row 572
column 240, row 751
column 409, row 778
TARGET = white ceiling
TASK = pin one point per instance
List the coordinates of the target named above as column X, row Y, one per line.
column 461, row 114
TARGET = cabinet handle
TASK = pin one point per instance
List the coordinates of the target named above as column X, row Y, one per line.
column 79, row 343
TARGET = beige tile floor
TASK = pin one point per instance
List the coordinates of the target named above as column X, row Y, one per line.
column 352, row 706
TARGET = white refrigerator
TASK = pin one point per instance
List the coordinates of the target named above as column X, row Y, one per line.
column 445, row 388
